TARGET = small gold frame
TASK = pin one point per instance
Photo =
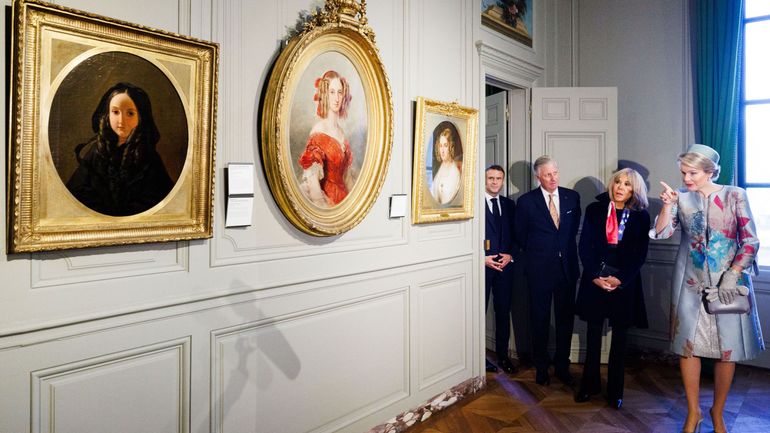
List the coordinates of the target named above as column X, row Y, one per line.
column 54, row 47
column 447, row 195
column 335, row 38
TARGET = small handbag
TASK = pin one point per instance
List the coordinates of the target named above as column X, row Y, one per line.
column 740, row 305
column 606, row 270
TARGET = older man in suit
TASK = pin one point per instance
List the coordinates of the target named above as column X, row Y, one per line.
column 547, row 221
column 500, row 251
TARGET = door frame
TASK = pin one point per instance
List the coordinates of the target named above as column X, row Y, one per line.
column 507, row 72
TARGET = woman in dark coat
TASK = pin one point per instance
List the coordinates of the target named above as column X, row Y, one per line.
column 119, row 171
column 613, row 248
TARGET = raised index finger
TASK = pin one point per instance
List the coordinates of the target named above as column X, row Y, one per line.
column 665, row 185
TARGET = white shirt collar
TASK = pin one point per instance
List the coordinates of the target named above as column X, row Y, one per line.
column 555, row 196
column 489, row 202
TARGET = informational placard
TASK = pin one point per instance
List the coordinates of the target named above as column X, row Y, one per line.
column 398, row 205
column 240, row 179
column 240, row 194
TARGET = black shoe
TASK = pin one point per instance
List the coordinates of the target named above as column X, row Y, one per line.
column 491, row 368
column 542, row 378
column 615, row 403
column 565, row 377
column 508, row 367
column 584, row 394
column 582, row 397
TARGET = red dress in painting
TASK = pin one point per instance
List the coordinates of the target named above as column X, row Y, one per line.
column 327, row 152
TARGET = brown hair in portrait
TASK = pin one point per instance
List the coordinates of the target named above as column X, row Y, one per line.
column 446, row 133
column 117, row 178
column 322, row 94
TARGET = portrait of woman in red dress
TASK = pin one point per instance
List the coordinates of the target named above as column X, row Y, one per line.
column 326, row 160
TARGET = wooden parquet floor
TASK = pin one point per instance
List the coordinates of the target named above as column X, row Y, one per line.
column 654, row 402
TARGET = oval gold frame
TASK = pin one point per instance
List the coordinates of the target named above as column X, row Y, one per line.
column 343, row 34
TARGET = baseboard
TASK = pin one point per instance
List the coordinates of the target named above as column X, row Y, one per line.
column 403, row 421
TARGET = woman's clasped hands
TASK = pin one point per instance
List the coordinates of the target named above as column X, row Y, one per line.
column 607, row 283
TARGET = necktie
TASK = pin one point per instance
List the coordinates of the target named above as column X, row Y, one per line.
column 496, row 220
column 495, row 210
column 553, row 211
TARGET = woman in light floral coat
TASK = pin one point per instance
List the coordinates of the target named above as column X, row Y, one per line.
column 717, row 251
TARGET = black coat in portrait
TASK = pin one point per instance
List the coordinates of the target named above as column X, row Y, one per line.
column 119, row 181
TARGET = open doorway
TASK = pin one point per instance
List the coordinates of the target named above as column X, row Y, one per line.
column 507, row 129
column 506, row 137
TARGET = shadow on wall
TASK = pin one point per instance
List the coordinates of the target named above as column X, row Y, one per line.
column 652, row 190
column 262, row 350
column 588, row 188
column 519, row 175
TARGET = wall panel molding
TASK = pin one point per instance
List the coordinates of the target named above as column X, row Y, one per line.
column 271, row 361
column 593, row 109
column 79, row 266
column 185, row 17
column 172, row 16
column 143, row 389
column 592, row 145
column 555, row 109
column 441, row 329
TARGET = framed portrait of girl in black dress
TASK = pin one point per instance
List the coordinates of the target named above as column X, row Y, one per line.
column 112, row 133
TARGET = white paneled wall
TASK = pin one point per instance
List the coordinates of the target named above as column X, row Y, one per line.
column 262, row 328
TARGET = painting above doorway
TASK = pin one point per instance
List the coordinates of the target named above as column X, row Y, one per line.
column 512, row 18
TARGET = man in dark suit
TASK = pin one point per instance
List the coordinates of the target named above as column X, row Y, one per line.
column 500, row 251
column 547, row 221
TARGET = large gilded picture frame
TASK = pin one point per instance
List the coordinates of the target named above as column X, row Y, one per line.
column 111, row 134
column 445, row 137
column 327, row 122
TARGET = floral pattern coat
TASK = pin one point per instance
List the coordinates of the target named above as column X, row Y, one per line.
column 717, row 232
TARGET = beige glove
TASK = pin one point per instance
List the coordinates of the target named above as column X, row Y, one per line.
column 727, row 289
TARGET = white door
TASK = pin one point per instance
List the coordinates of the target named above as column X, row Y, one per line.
column 578, row 127
column 496, row 143
column 496, row 140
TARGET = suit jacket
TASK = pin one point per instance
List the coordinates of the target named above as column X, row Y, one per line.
column 505, row 241
column 543, row 244
column 625, row 305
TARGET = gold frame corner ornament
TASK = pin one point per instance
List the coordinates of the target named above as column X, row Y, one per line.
column 432, row 114
column 42, row 213
column 339, row 27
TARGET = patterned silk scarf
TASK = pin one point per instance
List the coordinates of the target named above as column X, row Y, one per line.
column 614, row 230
